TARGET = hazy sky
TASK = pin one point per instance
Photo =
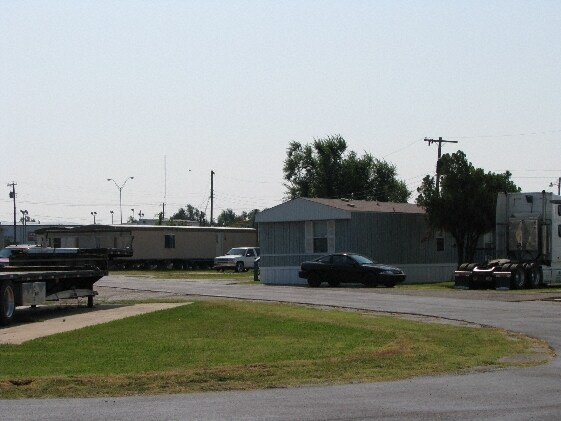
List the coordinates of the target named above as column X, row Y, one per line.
column 167, row 91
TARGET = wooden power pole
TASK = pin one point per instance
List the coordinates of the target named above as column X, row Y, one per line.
column 440, row 141
column 211, row 197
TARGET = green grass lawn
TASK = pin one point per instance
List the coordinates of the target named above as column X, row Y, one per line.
column 225, row 345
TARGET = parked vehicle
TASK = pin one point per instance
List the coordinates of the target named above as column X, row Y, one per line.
column 31, row 275
column 527, row 245
column 349, row 267
column 238, row 259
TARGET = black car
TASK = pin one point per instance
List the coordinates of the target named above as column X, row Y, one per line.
column 349, row 267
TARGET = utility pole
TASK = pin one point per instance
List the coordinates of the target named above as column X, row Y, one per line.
column 440, row 141
column 211, row 196
column 13, row 196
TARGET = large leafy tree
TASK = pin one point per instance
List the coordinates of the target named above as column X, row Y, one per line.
column 326, row 169
column 228, row 218
column 190, row 213
column 465, row 204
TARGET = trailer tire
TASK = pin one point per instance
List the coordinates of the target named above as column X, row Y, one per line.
column 518, row 277
column 534, row 277
column 7, row 303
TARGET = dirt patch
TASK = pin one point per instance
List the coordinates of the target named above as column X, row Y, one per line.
column 48, row 320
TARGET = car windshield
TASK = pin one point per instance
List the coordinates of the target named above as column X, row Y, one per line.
column 361, row 259
column 236, row 252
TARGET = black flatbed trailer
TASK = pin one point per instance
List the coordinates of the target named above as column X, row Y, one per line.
column 34, row 275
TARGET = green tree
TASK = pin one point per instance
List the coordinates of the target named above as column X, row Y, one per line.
column 228, row 218
column 326, row 169
column 465, row 204
column 191, row 213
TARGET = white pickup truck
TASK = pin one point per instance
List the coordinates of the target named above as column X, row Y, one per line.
column 239, row 259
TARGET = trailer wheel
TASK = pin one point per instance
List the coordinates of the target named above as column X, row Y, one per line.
column 518, row 277
column 534, row 277
column 7, row 303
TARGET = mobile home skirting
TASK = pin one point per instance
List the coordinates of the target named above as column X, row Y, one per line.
column 416, row 273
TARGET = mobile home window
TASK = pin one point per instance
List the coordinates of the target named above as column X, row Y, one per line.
column 169, row 241
column 57, row 243
column 440, row 244
column 320, row 237
column 559, row 230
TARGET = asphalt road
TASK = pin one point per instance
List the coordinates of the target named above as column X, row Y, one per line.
column 512, row 394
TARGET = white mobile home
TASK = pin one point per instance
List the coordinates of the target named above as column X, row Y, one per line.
column 161, row 245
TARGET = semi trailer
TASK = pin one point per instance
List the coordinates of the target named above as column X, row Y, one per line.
column 527, row 245
column 31, row 275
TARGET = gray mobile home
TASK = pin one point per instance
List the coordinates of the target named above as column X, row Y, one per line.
column 393, row 233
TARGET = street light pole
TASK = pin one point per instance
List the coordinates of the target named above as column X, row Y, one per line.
column 24, row 214
column 94, row 214
column 120, row 187
column 558, row 184
column 13, row 196
column 111, row 212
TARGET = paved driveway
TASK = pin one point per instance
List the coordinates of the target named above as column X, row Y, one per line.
column 514, row 394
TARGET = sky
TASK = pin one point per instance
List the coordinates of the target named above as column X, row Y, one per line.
column 168, row 91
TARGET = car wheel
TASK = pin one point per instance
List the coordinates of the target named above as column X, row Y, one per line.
column 314, row 281
column 334, row 284
column 7, row 303
column 239, row 267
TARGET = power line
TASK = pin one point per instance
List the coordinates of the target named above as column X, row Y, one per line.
column 533, row 133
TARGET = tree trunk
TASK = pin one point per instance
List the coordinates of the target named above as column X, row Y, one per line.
column 471, row 246
column 460, row 248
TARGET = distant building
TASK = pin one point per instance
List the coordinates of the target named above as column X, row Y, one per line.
column 393, row 233
column 25, row 234
column 174, row 222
